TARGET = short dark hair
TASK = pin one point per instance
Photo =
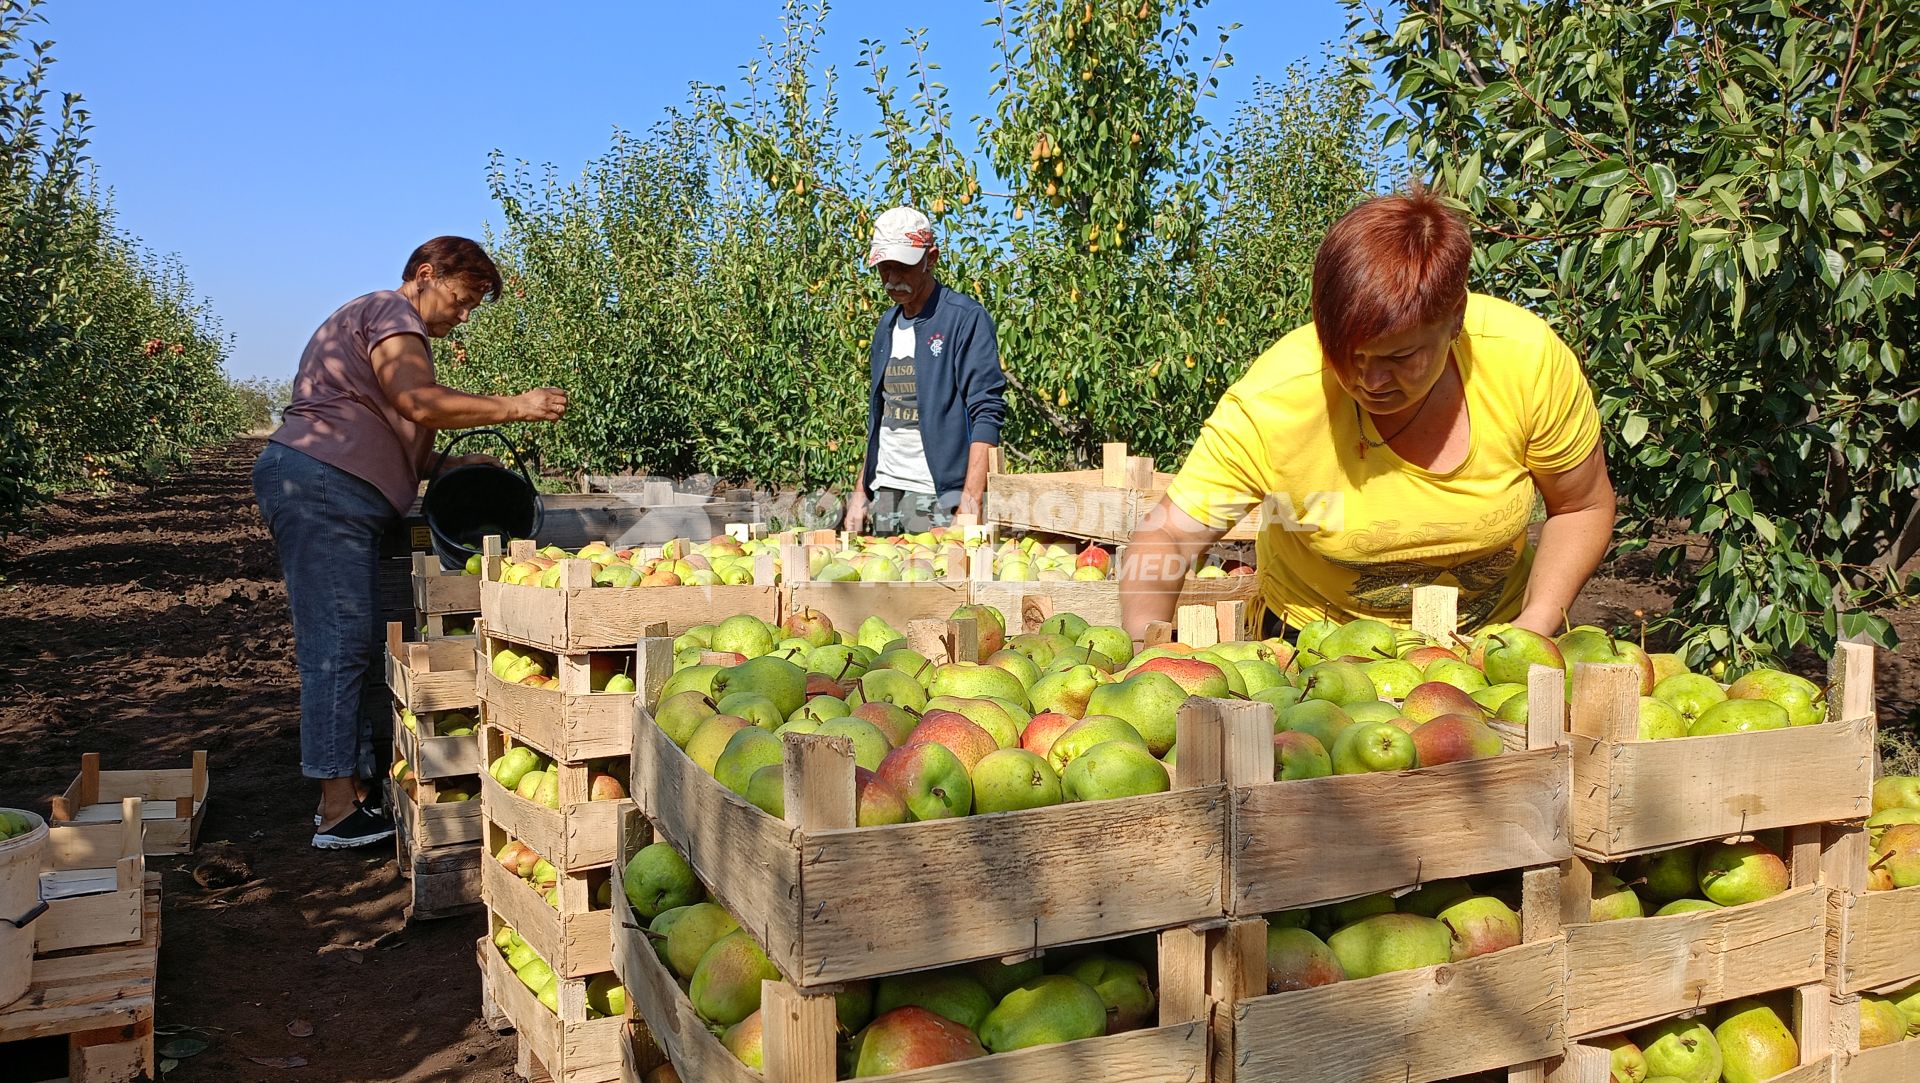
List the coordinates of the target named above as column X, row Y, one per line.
column 457, row 257
column 1392, row 263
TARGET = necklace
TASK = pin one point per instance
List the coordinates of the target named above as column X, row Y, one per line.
column 1361, row 427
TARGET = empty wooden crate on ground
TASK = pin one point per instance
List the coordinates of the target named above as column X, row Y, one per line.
column 101, row 999
column 173, row 801
column 94, row 883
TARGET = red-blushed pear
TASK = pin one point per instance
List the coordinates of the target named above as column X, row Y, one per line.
column 1896, row 860
column 1094, row 557
column 1195, row 676
column 1425, row 656
column 1297, row 959
column 931, row 778
column 908, row 1038
column 1431, row 699
column 1299, row 755
column 1013, row 779
column 894, row 720
column 1755, row 1044
column 811, row 625
column 819, row 684
column 1510, row 653
column 1452, row 738
column 1149, row 702
column 1113, row 769
column 961, row 737
column 989, row 715
column 1373, row 746
column 511, row 854
column 743, row 1040
column 603, row 787
column 1741, row 872
column 1480, row 925
column 1066, row 692
column 1087, row 732
column 1384, row 943
column 1039, row 735
column 876, row 801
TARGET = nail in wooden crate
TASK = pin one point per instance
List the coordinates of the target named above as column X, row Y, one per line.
column 798, row 1044
column 832, row 902
column 173, row 801
column 578, row 616
column 95, row 883
column 1632, row 797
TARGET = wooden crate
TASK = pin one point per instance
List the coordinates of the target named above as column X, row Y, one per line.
column 799, row 1041
column 1873, row 938
column 1386, row 831
column 1896, row 1063
column 432, row 824
column 1503, row 1010
column 578, row 835
column 1026, row 605
column 432, row 676
column 569, row 1046
column 1816, row 1025
column 580, row 617
column 1633, row 797
column 100, row 999
column 575, row 939
column 569, row 722
column 437, row 757
column 95, row 885
column 173, row 802
column 441, row 592
column 833, row 902
column 442, row 881
column 1625, row 973
column 1105, row 505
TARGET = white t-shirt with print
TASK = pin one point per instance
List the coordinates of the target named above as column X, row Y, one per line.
column 901, row 462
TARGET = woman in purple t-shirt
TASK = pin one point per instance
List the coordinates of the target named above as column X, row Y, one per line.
column 341, row 470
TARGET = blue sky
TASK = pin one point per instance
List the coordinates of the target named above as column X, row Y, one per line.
column 293, row 154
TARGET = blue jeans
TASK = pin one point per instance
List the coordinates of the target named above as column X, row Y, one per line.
column 327, row 524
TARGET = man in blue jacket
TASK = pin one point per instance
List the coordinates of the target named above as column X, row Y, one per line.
column 937, row 394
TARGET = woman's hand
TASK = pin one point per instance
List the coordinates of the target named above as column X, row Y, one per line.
column 540, row 404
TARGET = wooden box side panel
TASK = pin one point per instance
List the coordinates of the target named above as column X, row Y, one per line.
column 1416, row 1026
column 610, row 618
column 1896, row 1063
column 580, row 837
column 1064, row 504
column 881, row 900
column 1099, row 601
column 1635, row 796
column 654, row 998
column 1624, row 973
column 1311, row 841
column 574, row 945
column 446, row 757
column 1171, row 1054
column 1874, row 939
column 743, row 855
column 109, row 917
column 536, row 616
column 454, row 823
column 446, row 593
column 537, row 1026
column 564, row 726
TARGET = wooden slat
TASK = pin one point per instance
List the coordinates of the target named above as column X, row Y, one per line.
column 88, row 989
column 1079, row 505
column 1098, row 602
column 1896, row 1063
column 607, row 618
column 1436, row 612
column 1160, row 1055
column 797, row 1034
column 848, row 604
column 1415, row 1026
column 1379, row 832
column 574, row 838
column 564, row 726
column 1637, row 970
column 1633, row 797
column 1037, row 878
column 575, row 945
column 1873, row 939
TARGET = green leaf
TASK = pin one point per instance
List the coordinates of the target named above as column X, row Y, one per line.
column 1660, row 178
column 1740, row 503
column 1849, row 219
column 1633, row 430
column 1605, row 173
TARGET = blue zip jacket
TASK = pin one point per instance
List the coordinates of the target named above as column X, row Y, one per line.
column 963, row 393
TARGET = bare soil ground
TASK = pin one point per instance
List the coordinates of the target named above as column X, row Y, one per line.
column 153, row 622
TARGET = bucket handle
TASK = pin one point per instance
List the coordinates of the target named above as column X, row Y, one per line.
column 539, row 509
column 27, row 918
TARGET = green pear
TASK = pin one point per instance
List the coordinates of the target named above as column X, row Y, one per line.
column 1881, row 1022
column 1050, row 1009
column 1741, row 872
column 1013, row 779
column 726, row 984
column 1150, row 702
column 767, row 791
column 775, row 678
column 1613, row 899
column 1670, row 874
column 1686, row 906
column 1086, row 733
column 1739, row 716
column 1385, row 943
column 870, row 745
column 752, row 706
column 1362, row 638
column 1628, row 1062
column 1755, row 1044
column 679, row 715
column 657, row 878
column 710, row 739
column 697, row 678
column 1796, row 695
column 876, row 634
column 743, row 634
column 1002, row 978
column 889, row 686
column 1659, row 721
column 1689, row 693
column 1124, row 987
column 1431, row 898
column 747, row 751
column 1682, row 1048
column 1113, row 769
column 1337, row 682
column 951, row 993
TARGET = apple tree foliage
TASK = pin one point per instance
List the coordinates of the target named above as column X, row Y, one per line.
column 702, row 288
column 109, row 364
column 1718, row 206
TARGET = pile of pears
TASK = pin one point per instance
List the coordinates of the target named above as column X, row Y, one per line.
column 606, row 997
column 439, row 723
column 533, row 777
column 1441, row 922
column 14, row 823
column 521, row 860
column 1744, row 1041
column 1893, row 833
column 898, row 1023
column 1688, row 879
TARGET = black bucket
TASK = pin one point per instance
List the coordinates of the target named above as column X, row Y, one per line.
column 467, row 503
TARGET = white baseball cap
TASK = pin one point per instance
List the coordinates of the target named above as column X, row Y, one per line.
column 902, row 235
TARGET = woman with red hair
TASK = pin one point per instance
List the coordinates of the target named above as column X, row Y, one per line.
column 1398, row 440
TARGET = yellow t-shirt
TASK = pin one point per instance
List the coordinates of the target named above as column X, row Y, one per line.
column 1351, row 534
